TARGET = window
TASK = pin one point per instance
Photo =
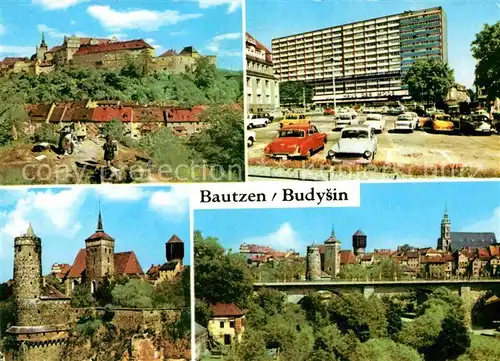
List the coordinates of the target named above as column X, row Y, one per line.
column 221, row 324
column 231, row 324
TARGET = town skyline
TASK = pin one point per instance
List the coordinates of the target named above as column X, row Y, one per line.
column 464, row 21
column 164, row 26
column 64, row 217
column 413, row 219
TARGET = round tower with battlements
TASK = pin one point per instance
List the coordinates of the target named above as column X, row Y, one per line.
column 359, row 243
column 313, row 263
column 27, row 267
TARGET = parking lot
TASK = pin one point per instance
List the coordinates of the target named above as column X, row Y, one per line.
column 419, row 147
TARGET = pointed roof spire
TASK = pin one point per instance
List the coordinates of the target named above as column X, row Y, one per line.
column 100, row 227
column 332, row 233
column 43, row 40
column 30, row 232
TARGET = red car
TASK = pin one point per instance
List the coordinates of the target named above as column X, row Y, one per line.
column 301, row 140
column 329, row 111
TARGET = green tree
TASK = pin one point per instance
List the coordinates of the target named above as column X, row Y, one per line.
column 271, row 301
column 429, row 80
column 482, row 349
column 81, row 297
column 384, row 350
column 103, row 294
column 452, row 341
column 294, row 92
column 170, row 294
column 135, row 293
column 251, row 348
column 204, row 73
column 11, row 115
column 486, row 49
column 393, row 315
column 336, row 344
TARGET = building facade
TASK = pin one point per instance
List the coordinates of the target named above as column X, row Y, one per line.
column 262, row 86
column 370, row 57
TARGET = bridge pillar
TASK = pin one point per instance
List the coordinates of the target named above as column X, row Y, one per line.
column 368, row 291
column 465, row 294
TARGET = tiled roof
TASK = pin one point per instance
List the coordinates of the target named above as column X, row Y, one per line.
column 254, row 248
column 359, row 232
column 226, row 310
column 175, row 239
column 347, row 257
column 40, row 111
column 169, row 52
column 64, row 270
column 153, row 270
column 86, row 41
column 471, row 239
column 495, row 250
column 52, row 293
column 181, row 115
column 483, row 254
column 116, row 46
column 82, row 114
column 126, row 263
column 62, row 114
column 106, row 114
column 100, row 235
column 169, row 266
column 78, row 265
column 249, row 38
column 55, row 48
column 12, row 60
column 148, row 114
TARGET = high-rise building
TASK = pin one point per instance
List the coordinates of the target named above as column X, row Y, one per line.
column 370, row 57
column 262, row 86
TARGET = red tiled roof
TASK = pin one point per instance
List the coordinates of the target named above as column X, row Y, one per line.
column 126, row 263
column 181, row 115
column 483, row 253
column 347, row 257
column 82, row 114
column 169, row 53
column 116, row 46
column 55, row 48
column 40, row 110
column 256, row 43
column 494, row 251
column 148, row 114
column 62, row 113
column 12, row 60
column 100, row 235
column 78, row 265
column 153, row 270
column 174, row 239
column 64, row 270
column 226, row 310
column 106, row 114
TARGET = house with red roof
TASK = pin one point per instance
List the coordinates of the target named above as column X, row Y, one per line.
column 98, row 260
column 227, row 323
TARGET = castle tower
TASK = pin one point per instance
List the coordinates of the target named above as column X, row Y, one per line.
column 313, row 263
column 359, row 243
column 175, row 249
column 42, row 49
column 27, row 274
column 444, row 241
column 332, row 255
column 100, row 249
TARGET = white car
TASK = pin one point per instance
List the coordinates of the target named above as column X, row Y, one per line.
column 406, row 121
column 357, row 143
column 254, row 121
column 376, row 121
column 345, row 119
column 251, row 137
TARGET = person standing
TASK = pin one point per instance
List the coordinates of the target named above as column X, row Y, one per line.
column 109, row 150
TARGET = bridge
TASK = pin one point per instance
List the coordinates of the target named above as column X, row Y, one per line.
column 470, row 290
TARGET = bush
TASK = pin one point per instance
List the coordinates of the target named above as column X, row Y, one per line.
column 135, row 293
column 46, row 133
column 384, row 350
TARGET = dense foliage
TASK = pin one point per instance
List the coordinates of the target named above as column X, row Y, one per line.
column 486, row 49
column 295, row 93
column 429, row 80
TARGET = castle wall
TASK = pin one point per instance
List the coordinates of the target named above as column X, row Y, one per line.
column 42, row 312
column 109, row 60
column 46, row 351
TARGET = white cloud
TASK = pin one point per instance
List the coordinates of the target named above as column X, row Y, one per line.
column 120, row 193
column 57, row 4
column 233, row 5
column 173, row 203
column 491, row 224
column 214, row 44
column 147, row 20
column 14, row 50
column 56, row 34
column 3, row 29
column 284, row 238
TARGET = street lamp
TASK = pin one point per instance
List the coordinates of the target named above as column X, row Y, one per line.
column 332, row 60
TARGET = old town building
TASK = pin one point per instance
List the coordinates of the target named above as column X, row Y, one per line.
column 262, row 85
column 227, row 323
column 175, row 262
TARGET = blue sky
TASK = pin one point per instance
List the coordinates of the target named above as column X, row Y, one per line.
column 390, row 214
column 211, row 26
column 465, row 19
column 140, row 220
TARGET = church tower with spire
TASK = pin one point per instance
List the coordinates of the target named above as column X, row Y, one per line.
column 100, row 249
column 444, row 241
column 42, row 49
column 331, row 264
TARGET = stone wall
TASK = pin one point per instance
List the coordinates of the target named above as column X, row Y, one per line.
column 27, row 268
column 35, row 352
column 43, row 312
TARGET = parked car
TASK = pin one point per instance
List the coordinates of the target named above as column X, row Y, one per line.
column 301, row 140
column 376, row 121
column 251, row 137
column 294, row 119
column 357, row 143
column 253, row 121
column 329, row 111
column 345, row 119
column 476, row 124
column 268, row 116
column 439, row 122
column 384, row 109
column 406, row 121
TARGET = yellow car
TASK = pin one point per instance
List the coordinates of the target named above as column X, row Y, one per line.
column 294, row 119
column 440, row 122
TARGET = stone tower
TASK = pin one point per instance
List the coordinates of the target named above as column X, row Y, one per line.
column 313, row 263
column 332, row 255
column 175, row 249
column 359, row 243
column 100, row 249
column 444, row 241
column 42, row 49
column 27, row 275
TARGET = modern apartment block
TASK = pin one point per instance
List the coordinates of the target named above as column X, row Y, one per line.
column 262, row 86
column 370, row 57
